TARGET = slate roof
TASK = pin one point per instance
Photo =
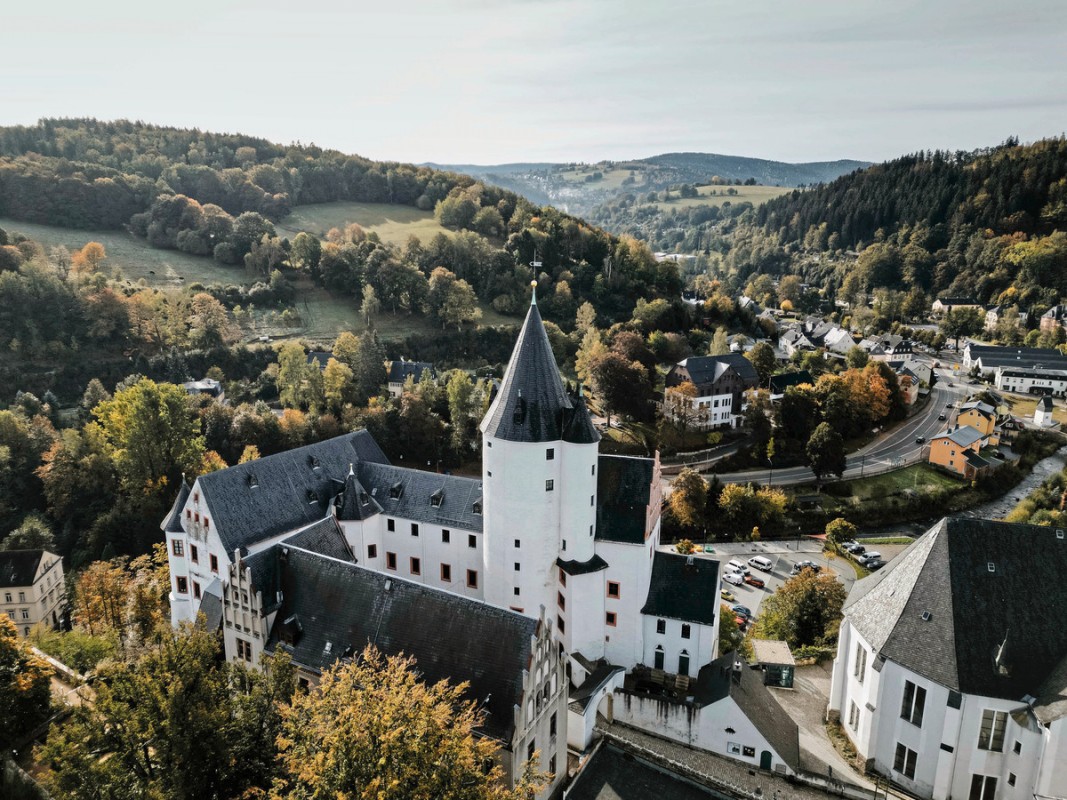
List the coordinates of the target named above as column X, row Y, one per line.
column 614, row 774
column 266, row 576
column 971, row 609
column 682, row 590
column 993, row 356
column 355, row 502
column 324, row 538
column 19, row 567
column 594, row 564
column 1051, row 702
column 400, row 371
column 719, row 680
column 623, row 485
column 779, row 383
column 274, row 494
column 415, row 488
column 964, row 437
column 211, row 605
column 172, row 523
column 705, row 370
column 1045, row 403
column 593, row 681
column 450, row 637
column 532, row 404
column 975, row 460
column 982, row 408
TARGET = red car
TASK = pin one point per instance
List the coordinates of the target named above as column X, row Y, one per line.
column 752, row 580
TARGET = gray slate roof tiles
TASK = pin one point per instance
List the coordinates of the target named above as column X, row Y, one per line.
column 623, row 486
column 614, row 774
column 414, row 490
column 450, row 637
column 970, row 608
column 19, row 567
column 682, row 590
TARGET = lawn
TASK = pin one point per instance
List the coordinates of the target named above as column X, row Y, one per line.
column 392, row 223
column 1023, row 407
column 717, row 196
column 613, row 178
column 136, row 259
column 921, row 477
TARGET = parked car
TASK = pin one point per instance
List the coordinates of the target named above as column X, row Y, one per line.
column 856, row 549
column 736, row 578
column 742, row 611
column 737, row 565
column 870, row 556
column 727, row 595
column 761, row 563
column 875, row 565
column 803, row 565
column 753, row 580
column 742, row 623
column 847, row 545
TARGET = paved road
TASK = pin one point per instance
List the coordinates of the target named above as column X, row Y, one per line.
column 894, row 449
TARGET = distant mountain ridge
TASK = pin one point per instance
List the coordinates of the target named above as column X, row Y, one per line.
column 580, row 187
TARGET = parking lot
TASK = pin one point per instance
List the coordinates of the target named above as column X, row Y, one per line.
column 783, row 555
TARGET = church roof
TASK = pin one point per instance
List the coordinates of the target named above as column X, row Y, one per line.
column 530, row 405
column 623, row 486
column 355, row 502
column 944, row 607
column 432, row 497
column 264, row 498
column 342, row 607
column 683, row 587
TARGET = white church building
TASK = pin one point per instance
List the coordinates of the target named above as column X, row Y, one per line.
column 951, row 670
column 539, row 582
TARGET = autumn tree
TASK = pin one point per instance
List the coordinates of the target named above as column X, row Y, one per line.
column 151, row 434
column 88, row 260
column 374, row 729
column 720, row 344
column 763, row 359
column 679, row 405
column 337, row 384
column 689, row 493
column 839, row 530
column 25, row 689
column 805, row 611
column 743, row 506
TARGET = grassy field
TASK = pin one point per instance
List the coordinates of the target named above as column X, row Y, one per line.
column 1023, row 407
column 612, row 179
column 918, row 477
column 133, row 256
column 392, row 223
column 716, row 196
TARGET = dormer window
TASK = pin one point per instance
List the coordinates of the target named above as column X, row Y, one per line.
column 313, row 462
column 436, row 498
column 312, row 497
column 519, row 415
column 477, row 507
column 364, row 498
column 395, row 491
column 253, row 481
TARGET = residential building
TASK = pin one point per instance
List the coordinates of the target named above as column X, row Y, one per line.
column 1055, row 317
column 779, row 383
column 982, row 417
column 206, row 387
column 950, row 676
column 32, row 588
column 943, row 305
column 1031, row 380
column 553, row 535
column 720, row 383
column 1043, row 413
column 958, row 451
column 988, row 358
column 400, row 371
column 795, row 341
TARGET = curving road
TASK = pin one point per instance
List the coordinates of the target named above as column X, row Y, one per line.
column 894, row 449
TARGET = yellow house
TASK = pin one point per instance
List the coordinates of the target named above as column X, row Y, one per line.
column 957, row 451
column 983, row 418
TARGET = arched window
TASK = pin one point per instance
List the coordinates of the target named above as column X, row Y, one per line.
column 658, row 663
column 683, row 663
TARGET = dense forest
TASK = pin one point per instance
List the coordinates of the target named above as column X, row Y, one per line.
column 217, row 195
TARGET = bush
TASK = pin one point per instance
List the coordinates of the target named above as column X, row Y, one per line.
column 78, row 650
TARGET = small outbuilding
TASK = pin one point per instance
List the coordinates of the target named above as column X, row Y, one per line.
column 776, row 661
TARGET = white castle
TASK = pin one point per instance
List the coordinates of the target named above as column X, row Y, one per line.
column 541, row 583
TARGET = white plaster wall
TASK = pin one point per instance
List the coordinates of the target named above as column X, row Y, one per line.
column 700, row 645
column 578, row 499
column 631, row 566
column 431, row 550
column 846, row 687
column 517, row 506
column 587, row 631
column 1052, row 771
column 702, row 728
column 969, row 760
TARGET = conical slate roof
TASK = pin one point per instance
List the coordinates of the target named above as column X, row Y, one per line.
column 578, row 425
column 354, row 503
column 530, row 405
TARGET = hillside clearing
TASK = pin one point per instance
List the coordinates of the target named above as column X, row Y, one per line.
column 718, row 196
column 392, row 223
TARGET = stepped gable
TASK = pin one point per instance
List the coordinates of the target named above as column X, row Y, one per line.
column 267, row 497
column 945, row 607
column 355, row 502
column 531, row 403
column 342, row 607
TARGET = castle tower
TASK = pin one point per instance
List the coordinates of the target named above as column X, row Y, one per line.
column 539, row 457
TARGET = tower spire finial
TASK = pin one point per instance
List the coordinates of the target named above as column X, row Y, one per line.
column 533, row 293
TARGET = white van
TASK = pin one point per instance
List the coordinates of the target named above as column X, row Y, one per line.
column 761, row 562
column 737, row 565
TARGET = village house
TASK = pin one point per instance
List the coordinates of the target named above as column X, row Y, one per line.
column 958, row 451
column 950, row 679
column 400, row 371
column 32, row 588
column 720, row 383
column 943, row 305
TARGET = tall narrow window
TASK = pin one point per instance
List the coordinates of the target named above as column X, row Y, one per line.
column 661, row 626
column 913, row 704
column 860, row 667
column 194, row 553
column 550, row 454
column 686, row 630
column 613, row 589
column 983, row 787
column 991, row 733
column 550, row 485
column 416, row 566
column 472, row 579
column 390, row 560
column 904, row 761
column 214, row 563
column 683, row 663
column 446, row 535
column 446, row 573
column 177, row 547
column 372, row 551
column 657, row 658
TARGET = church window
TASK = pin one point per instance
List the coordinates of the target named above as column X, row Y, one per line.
column 414, row 529
column 390, row 524
column 550, row 454
column 613, row 589
column 390, row 560
column 194, row 553
column 686, row 630
column 611, row 618
column 657, row 658
column 661, row 626
column 446, row 573
column 446, row 535
column 372, row 551
column 177, row 546
column 416, row 566
column 550, row 485
column 472, row 540
column 683, row 663
column 991, row 733
column 913, row 703
column 182, row 585
column 552, row 725
column 472, row 579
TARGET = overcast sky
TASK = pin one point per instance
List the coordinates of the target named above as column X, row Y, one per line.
column 489, row 81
